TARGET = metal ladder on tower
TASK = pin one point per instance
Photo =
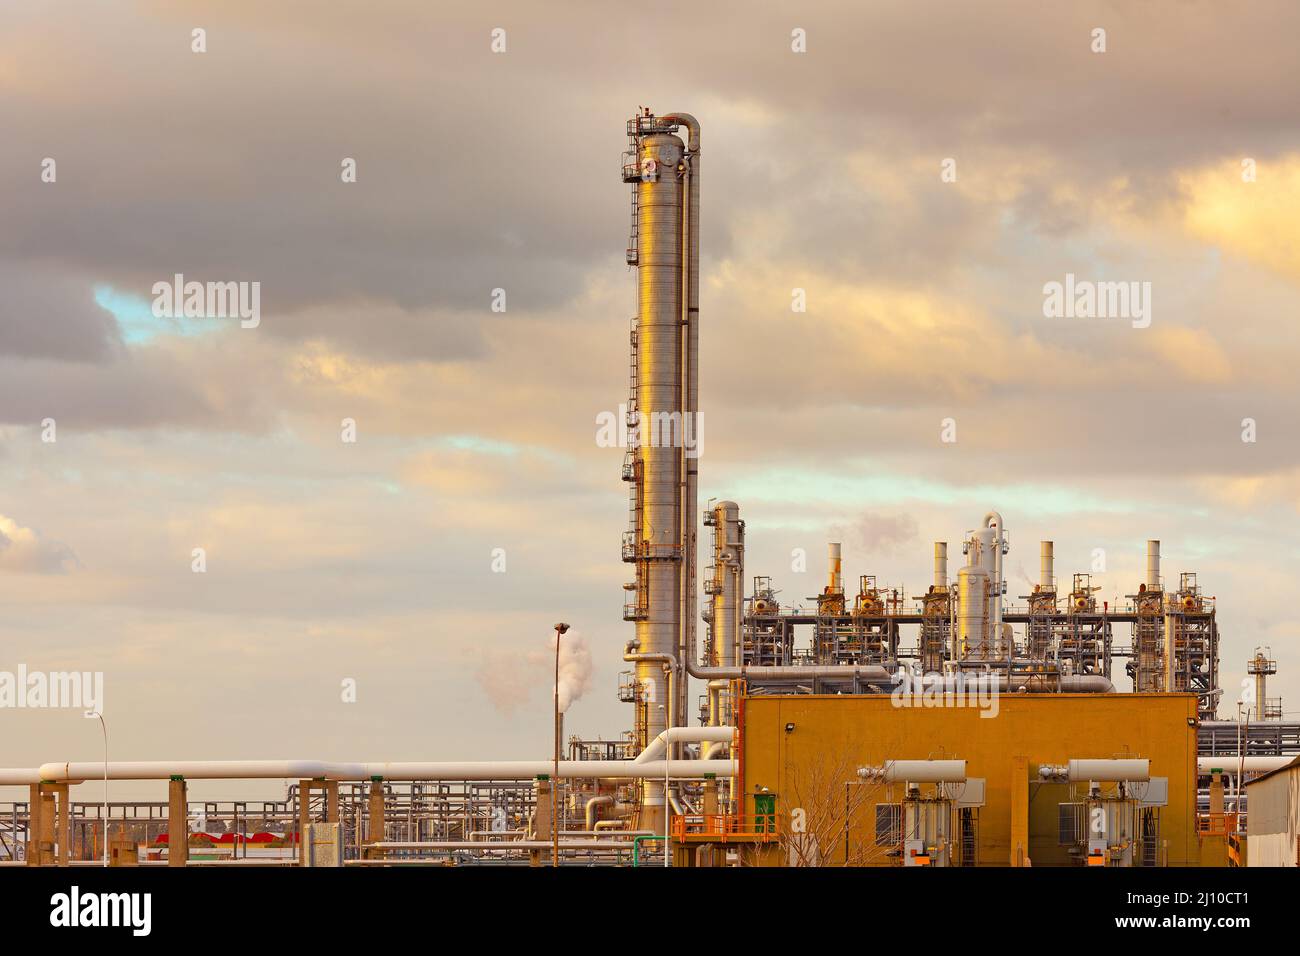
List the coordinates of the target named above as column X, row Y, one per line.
column 632, row 244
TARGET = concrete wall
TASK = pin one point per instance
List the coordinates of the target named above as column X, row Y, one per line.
column 833, row 735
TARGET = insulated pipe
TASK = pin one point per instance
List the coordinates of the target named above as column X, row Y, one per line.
column 941, row 565
column 671, row 668
column 1046, row 575
column 866, row 673
column 917, row 771
column 681, row 734
column 878, row 675
column 690, row 313
column 590, row 809
column 975, row 682
column 1108, row 770
column 1066, row 684
column 1231, row 762
column 315, row 769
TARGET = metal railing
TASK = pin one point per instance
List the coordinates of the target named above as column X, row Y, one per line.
column 725, row 828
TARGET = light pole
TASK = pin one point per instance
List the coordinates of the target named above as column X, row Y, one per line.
column 668, row 751
column 93, row 715
column 560, row 629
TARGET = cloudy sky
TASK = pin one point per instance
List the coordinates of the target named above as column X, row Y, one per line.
column 1172, row 158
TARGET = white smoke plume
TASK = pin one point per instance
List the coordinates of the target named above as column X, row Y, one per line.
column 511, row 680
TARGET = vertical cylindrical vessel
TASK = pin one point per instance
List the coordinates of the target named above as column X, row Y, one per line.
column 1153, row 565
column 659, row 406
column 973, row 612
column 728, row 575
column 1259, row 666
column 1046, row 571
column 940, row 565
column 835, row 570
column 665, row 249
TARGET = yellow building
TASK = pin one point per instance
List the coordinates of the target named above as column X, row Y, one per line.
column 806, row 751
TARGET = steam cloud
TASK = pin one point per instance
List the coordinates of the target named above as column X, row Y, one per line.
column 511, row 680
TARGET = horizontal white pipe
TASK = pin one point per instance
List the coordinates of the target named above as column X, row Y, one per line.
column 1109, row 770
column 656, row 748
column 917, row 771
column 1230, row 763
column 866, row 673
column 316, row 769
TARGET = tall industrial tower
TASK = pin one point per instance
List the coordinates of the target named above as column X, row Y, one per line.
column 662, row 419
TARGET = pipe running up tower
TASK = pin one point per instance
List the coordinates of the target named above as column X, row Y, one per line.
column 665, row 248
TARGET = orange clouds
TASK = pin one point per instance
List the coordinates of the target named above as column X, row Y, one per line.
column 1256, row 220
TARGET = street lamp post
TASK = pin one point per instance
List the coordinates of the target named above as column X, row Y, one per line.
column 668, row 752
column 560, row 629
column 92, row 715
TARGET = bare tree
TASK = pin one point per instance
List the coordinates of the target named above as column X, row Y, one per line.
column 828, row 811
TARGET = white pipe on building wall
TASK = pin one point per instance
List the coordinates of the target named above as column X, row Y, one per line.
column 917, row 771
column 1108, row 770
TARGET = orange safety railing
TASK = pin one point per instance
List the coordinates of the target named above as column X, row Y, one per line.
column 725, row 828
column 1216, row 824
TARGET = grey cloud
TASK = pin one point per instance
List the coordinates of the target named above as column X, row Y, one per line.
column 48, row 315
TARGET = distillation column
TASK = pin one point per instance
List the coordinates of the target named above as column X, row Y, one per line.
column 665, row 249
column 936, row 615
column 727, row 612
column 1042, row 605
column 1149, row 673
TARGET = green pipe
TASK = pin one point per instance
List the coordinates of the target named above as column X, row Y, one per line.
column 636, row 847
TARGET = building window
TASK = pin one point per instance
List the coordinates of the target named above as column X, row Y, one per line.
column 1070, row 824
column 889, row 824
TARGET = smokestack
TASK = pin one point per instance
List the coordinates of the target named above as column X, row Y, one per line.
column 1046, row 577
column 836, row 585
column 941, row 565
column 1153, row 565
